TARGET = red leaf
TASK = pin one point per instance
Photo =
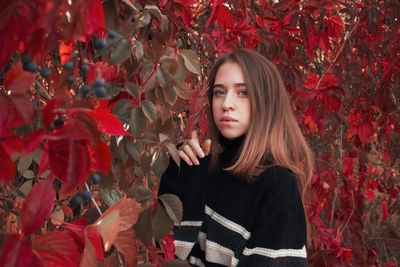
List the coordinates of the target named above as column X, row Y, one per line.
column 18, row 81
column 365, row 131
column 385, row 212
column 89, row 257
column 37, row 207
column 324, row 42
column 48, row 114
column 94, row 17
column 56, row 248
column 167, row 244
column 225, row 18
column 33, row 141
column 9, row 116
column 69, row 161
column 7, row 170
column 107, row 122
column 102, row 158
column 128, row 245
column 187, row 16
column 94, row 238
column 331, row 102
column 16, row 252
column 214, row 13
column 65, row 52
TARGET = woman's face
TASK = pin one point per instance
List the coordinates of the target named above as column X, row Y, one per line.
column 231, row 104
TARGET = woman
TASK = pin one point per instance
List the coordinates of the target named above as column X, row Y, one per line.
column 242, row 202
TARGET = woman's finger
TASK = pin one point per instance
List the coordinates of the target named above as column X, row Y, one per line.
column 207, row 146
column 184, row 157
column 196, row 148
column 189, row 152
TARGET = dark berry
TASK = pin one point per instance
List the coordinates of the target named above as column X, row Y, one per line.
column 76, row 200
column 95, row 178
column 45, row 72
column 68, row 65
column 86, row 194
column 133, row 20
column 150, row 36
column 31, row 67
column 111, row 34
column 100, row 43
column 58, row 122
column 85, row 68
column 85, row 89
column 99, row 81
column 101, row 92
column 70, row 79
column 26, row 58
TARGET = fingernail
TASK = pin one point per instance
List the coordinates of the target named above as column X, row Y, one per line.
column 197, row 162
column 202, row 154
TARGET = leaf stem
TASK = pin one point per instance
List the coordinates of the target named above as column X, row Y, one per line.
column 93, row 200
column 338, row 53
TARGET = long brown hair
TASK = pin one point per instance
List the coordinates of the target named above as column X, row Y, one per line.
column 274, row 137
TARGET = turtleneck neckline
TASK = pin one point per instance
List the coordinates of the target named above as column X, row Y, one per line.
column 230, row 149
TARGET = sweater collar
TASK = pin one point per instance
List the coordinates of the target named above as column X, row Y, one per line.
column 230, row 149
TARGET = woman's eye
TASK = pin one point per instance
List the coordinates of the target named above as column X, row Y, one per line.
column 243, row 92
column 219, row 93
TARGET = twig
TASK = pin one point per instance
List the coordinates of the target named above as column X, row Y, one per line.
column 333, row 206
column 338, row 53
column 9, row 210
column 351, row 214
column 94, row 201
column 46, row 95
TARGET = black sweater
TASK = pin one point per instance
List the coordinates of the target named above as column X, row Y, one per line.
column 229, row 222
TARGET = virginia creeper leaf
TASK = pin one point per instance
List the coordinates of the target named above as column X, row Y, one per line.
column 108, row 227
column 121, row 51
column 128, row 245
column 107, row 122
column 191, row 60
column 162, row 223
column 173, row 207
column 149, row 110
column 37, row 207
column 16, row 252
column 7, row 171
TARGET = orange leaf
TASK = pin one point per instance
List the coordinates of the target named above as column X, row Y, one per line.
column 127, row 244
column 108, row 227
column 129, row 211
column 19, row 81
column 89, row 257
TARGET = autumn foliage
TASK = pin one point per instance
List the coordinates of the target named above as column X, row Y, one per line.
column 105, row 89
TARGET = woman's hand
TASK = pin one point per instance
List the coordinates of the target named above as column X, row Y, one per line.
column 191, row 149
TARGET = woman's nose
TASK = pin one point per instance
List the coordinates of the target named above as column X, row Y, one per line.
column 228, row 103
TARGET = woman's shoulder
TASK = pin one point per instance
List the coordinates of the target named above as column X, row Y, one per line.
column 278, row 176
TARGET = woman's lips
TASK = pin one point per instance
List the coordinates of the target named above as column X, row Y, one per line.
column 228, row 120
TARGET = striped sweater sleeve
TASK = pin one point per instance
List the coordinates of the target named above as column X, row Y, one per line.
column 278, row 237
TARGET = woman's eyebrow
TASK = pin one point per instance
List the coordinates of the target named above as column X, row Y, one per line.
column 235, row 85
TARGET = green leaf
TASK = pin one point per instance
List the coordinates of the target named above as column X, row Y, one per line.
column 173, row 207
column 132, row 89
column 170, row 95
column 169, row 64
column 24, row 162
column 163, row 137
column 160, row 164
column 110, row 196
column 162, row 223
column 143, row 228
column 142, row 20
column 155, row 11
column 132, row 151
column 174, row 153
column 142, row 194
column 149, row 110
column 146, row 160
column 109, row 45
column 122, row 51
column 191, row 60
column 138, row 49
column 162, row 77
column 122, row 109
column 137, row 121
